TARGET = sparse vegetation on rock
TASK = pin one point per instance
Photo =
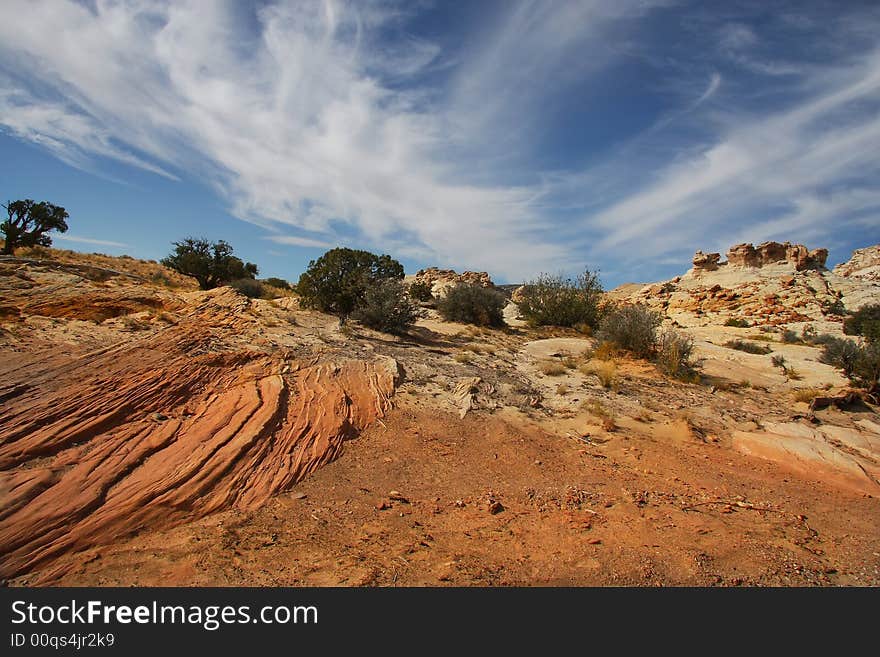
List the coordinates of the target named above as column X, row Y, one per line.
column 212, row 265
column 748, row 347
column 280, row 283
column 864, row 322
column 248, row 287
column 604, row 370
column 338, row 281
column 473, row 304
column 28, row 223
column 421, row 291
column 860, row 363
column 840, row 353
column 387, row 307
column 557, row 301
column 632, row 328
column 674, row 355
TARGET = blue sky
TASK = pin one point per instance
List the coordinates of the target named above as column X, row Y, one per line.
column 512, row 137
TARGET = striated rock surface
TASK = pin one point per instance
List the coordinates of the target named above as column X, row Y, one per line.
column 149, row 432
column 441, row 280
column 863, row 265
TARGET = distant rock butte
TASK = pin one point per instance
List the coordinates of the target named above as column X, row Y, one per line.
column 763, row 255
column 772, row 284
column 441, row 280
column 863, row 265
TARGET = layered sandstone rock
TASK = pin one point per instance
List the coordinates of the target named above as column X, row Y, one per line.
column 863, row 265
column 772, row 284
column 706, row 261
column 149, row 432
column 441, row 280
column 771, row 253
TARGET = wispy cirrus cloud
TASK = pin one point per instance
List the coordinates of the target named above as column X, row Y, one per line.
column 328, row 122
column 781, row 167
column 290, row 120
column 79, row 239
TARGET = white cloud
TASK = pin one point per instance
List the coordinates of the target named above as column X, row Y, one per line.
column 309, row 121
column 790, row 160
column 711, row 88
column 291, row 123
column 88, row 240
column 292, row 240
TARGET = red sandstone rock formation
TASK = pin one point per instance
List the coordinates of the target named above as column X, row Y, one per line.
column 441, row 280
column 768, row 253
column 150, row 433
column 863, row 265
column 706, row 261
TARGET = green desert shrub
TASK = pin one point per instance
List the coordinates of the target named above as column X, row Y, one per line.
column 866, row 373
column 841, row 353
column 790, row 337
column 738, row 323
column 248, row 287
column 865, row 322
column 211, row 264
column 748, row 347
column 338, row 281
column 675, row 352
column 473, row 304
column 421, row 291
column 557, row 301
column 387, row 307
column 859, row 362
column 631, row 328
column 280, row 283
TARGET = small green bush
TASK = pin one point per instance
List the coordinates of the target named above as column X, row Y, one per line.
column 557, row 301
column 860, row 363
column 280, row 283
column 738, row 323
column 778, row 360
column 387, row 307
column 840, row 353
column 790, row 337
column 748, row 347
column 675, row 353
column 865, row 322
column 248, row 287
column 212, row 265
column 822, row 339
column 421, row 291
column 632, row 329
column 473, row 304
column 866, row 373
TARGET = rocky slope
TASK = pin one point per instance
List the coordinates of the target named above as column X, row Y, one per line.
column 160, row 429
column 771, row 285
column 162, row 435
column 863, row 265
column 441, row 280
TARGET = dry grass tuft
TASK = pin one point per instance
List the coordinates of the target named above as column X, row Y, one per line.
column 552, row 368
column 806, row 395
column 604, row 370
column 606, row 416
column 606, row 351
